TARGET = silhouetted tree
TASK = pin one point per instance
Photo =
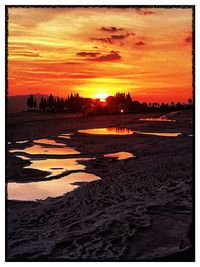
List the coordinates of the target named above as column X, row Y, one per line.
column 144, row 106
column 45, row 104
column 35, row 103
column 41, row 105
column 178, row 105
column 120, row 102
column 50, row 103
column 136, row 107
column 30, row 102
column 74, row 103
column 128, row 98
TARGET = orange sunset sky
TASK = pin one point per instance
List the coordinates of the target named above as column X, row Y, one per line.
column 101, row 51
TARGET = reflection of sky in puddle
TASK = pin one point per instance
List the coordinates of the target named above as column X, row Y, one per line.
column 161, row 134
column 21, row 142
column 157, row 119
column 64, row 136
column 44, row 189
column 120, row 155
column 111, row 131
column 56, row 166
column 22, row 157
column 48, row 142
column 123, row 131
column 67, row 134
column 38, row 149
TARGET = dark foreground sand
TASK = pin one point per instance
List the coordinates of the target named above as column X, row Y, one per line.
column 141, row 209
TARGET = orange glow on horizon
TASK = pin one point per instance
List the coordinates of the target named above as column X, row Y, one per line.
column 102, row 96
column 101, row 51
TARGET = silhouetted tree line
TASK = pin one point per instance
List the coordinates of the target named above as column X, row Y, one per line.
column 119, row 103
column 72, row 104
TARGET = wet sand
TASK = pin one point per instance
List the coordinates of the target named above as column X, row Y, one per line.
column 140, row 209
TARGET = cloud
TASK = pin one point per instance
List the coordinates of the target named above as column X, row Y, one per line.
column 87, row 54
column 144, row 12
column 110, row 29
column 32, row 17
column 103, row 40
column 97, row 56
column 112, row 39
column 140, row 43
column 188, row 39
column 26, row 54
column 113, row 55
column 119, row 36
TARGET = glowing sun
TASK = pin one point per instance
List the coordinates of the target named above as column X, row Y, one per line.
column 102, row 96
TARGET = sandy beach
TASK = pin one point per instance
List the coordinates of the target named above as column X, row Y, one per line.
column 140, row 208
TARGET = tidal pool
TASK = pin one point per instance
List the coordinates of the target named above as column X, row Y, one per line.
column 161, row 134
column 64, row 136
column 108, row 131
column 55, row 166
column 123, row 131
column 157, row 119
column 22, row 157
column 39, row 149
column 48, row 142
column 21, row 142
column 52, row 188
column 120, row 155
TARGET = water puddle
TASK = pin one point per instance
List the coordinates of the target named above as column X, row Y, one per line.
column 39, row 149
column 161, row 134
column 157, row 119
column 120, row 155
column 22, row 157
column 44, row 189
column 21, row 142
column 56, row 166
column 123, row 131
column 48, row 142
column 64, row 136
column 108, row 131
